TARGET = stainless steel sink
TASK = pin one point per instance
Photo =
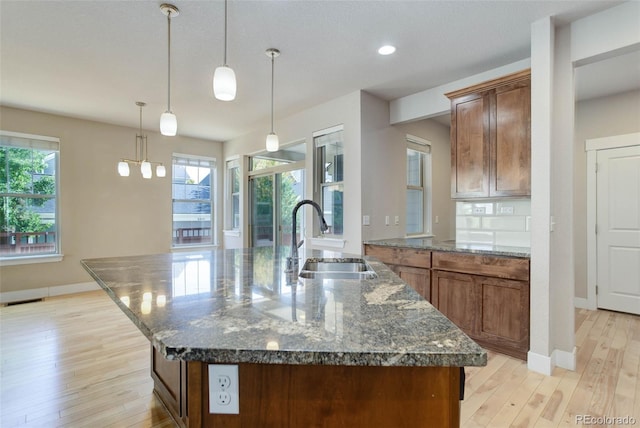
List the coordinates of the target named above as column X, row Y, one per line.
column 337, row 269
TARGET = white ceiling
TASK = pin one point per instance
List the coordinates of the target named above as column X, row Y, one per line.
column 94, row 59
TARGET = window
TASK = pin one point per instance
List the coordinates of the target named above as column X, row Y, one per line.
column 193, row 181
column 29, row 188
column 418, row 186
column 330, row 176
column 233, row 189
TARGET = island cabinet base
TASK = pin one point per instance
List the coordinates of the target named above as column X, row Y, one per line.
column 292, row 396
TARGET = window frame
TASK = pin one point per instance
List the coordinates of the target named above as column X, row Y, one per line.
column 213, row 165
column 423, row 147
column 232, row 164
column 322, row 139
column 37, row 142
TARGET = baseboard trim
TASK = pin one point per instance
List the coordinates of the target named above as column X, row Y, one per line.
column 564, row 359
column 545, row 365
column 539, row 363
column 40, row 293
column 582, row 303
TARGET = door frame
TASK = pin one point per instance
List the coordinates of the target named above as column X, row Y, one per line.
column 274, row 172
column 591, row 147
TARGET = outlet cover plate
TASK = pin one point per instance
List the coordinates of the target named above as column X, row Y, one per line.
column 223, row 389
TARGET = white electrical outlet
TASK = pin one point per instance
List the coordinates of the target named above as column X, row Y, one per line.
column 223, row 389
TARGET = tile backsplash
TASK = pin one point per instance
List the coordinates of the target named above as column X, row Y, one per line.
column 504, row 222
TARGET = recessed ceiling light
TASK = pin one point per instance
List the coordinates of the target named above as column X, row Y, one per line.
column 387, row 50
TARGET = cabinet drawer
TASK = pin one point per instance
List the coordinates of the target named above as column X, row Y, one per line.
column 400, row 256
column 500, row 267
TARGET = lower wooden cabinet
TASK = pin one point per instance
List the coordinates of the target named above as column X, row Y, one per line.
column 486, row 296
column 410, row 264
column 457, row 297
column 492, row 311
column 418, row 278
column 170, row 384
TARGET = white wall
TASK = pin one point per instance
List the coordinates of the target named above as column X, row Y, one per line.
column 596, row 118
column 101, row 213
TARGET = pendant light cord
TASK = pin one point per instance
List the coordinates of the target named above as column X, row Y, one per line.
column 169, row 62
column 272, row 56
column 224, row 62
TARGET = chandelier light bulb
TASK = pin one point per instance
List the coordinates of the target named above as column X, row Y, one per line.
column 145, row 168
column 224, row 83
column 123, row 169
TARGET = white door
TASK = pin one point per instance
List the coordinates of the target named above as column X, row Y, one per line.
column 618, row 229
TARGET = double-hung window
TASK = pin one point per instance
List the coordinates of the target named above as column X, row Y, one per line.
column 233, row 194
column 29, row 223
column 193, row 184
column 418, row 186
column 330, row 177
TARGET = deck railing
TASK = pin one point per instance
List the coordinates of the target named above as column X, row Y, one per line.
column 27, row 242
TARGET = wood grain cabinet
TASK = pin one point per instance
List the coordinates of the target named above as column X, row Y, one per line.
column 486, row 296
column 491, row 138
column 411, row 265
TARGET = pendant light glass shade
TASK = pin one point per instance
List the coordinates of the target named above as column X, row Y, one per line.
column 123, row 169
column 224, row 83
column 273, row 144
column 161, row 171
column 168, row 124
column 168, row 120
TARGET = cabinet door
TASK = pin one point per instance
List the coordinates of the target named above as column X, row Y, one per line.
column 510, row 122
column 470, row 146
column 504, row 322
column 456, row 295
column 419, row 279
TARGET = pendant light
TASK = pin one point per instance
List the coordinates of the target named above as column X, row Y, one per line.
column 141, row 155
column 272, row 139
column 224, row 78
column 168, row 120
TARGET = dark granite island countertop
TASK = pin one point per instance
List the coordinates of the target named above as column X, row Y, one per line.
column 308, row 352
column 453, row 246
column 235, row 306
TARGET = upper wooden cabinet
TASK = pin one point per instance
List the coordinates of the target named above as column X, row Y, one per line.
column 491, row 138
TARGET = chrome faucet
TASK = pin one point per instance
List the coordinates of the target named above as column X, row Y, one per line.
column 292, row 262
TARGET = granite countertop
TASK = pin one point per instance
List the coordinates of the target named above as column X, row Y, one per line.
column 453, row 246
column 235, row 306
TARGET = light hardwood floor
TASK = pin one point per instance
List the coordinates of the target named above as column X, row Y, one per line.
column 77, row 361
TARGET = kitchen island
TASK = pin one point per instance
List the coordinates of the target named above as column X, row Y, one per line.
column 310, row 352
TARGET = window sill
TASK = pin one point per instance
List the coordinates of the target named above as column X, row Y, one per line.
column 327, row 242
column 27, row 260
column 188, row 248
